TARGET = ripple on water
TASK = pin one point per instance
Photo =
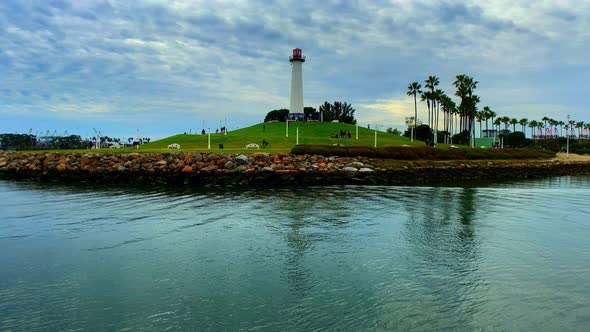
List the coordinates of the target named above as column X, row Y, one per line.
column 340, row 258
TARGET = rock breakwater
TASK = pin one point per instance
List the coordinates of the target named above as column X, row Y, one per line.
column 262, row 169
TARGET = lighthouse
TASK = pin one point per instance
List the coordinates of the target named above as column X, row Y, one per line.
column 296, row 107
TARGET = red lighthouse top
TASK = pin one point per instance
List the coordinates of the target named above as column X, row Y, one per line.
column 297, row 56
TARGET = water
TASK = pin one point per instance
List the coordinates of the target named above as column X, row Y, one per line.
column 512, row 256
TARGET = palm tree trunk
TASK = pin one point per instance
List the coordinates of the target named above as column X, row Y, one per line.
column 415, row 115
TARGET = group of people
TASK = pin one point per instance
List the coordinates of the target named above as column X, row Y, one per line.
column 343, row 134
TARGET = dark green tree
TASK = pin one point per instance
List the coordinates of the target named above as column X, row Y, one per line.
column 311, row 113
column 278, row 115
column 341, row 111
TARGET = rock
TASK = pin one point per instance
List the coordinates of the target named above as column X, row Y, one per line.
column 187, row 169
column 277, row 166
column 209, row 168
column 162, row 163
column 198, row 157
column 267, row 169
column 228, row 165
column 366, row 170
column 349, row 169
column 2, row 163
column 357, row 164
column 242, row 160
column 241, row 168
column 121, row 168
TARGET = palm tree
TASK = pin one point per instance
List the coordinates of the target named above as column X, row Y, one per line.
column 561, row 123
column 545, row 119
column 448, row 108
column 533, row 125
column 505, row 120
column 540, row 126
column 497, row 123
column 523, row 122
column 431, row 83
column 514, row 122
column 480, row 116
column 438, row 96
column 487, row 115
column 425, row 96
column 580, row 125
column 464, row 89
column 414, row 90
column 552, row 123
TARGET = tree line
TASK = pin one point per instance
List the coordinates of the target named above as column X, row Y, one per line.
column 32, row 142
column 458, row 123
column 327, row 112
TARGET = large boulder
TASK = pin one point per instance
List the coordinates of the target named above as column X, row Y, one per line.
column 242, row 160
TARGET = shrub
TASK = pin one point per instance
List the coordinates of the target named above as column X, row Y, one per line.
column 549, row 144
column 515, row 139
column 422, row 153
column 461, row 138
column 423, row 133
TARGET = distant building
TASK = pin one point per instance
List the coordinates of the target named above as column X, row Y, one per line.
column 489, row 133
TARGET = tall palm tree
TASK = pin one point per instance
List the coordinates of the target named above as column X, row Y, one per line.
column 487, row 112
column 523, row 122
column 431, row 83
column 545, row 119
column 438, row 97
column 552, row 123
column 414, row 90
column 514, row 122
column 580, row 125
column 497, row 123
column 560, row 123
column 480, row 116
column 540, row 126
column 533, row 125
column 425, row 96
column 465, row 86
column 506, row 121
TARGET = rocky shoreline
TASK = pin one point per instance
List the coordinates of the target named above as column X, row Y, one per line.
column 262, row 169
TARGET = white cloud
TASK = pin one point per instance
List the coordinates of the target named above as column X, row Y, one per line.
column 194, row 56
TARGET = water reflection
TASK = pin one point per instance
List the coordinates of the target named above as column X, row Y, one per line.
column 340, row 258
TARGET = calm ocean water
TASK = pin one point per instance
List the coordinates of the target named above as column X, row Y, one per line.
column 510, row 256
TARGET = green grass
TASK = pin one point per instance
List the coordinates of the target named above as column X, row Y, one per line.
column 275, row 134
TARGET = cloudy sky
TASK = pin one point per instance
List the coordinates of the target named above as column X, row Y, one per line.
column 167, row 66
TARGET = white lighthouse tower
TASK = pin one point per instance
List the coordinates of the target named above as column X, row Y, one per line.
column 297, row 60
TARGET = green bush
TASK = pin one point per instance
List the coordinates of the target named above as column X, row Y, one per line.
column 461, row 138
column 514, row 140
column 580, row 147
column 552, row 144
column 422, row 153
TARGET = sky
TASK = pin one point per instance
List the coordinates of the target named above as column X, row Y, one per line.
column 162, row 67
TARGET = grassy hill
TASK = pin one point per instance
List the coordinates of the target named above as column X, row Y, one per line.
column 275, row 134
